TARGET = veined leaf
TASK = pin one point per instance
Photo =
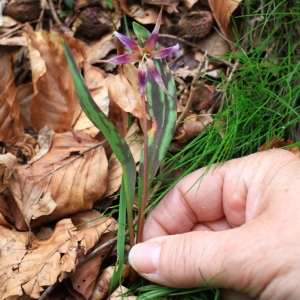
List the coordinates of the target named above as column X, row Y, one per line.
column 121, row 150
column 162, row 110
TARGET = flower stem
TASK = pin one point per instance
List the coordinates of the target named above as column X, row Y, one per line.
column 145, row 174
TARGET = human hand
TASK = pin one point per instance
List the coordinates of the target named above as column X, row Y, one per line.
column 240, row 227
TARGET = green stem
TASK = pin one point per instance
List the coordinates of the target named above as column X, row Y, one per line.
column 145, row 174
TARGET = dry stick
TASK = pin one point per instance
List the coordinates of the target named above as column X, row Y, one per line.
column 145, row 175
column 54, row 14
column 191, row 96
column 196, row 46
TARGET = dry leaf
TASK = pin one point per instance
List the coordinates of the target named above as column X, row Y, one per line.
column 7, row 161
column 74, row 181
column 32, row 201
column 123, row 92
column 44, row 141
column 99, row 50
column 24, row 96
column 10, row 124
column 214, row 44
column 55, row 103
column 222, row 11
column 115, row 171
column 103, row 282
column 28, row 267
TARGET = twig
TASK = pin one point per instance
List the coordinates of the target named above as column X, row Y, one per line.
column 54, row 14
column 196, row 46
column 191, row 96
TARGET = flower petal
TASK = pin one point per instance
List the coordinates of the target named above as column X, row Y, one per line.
column 151, row 42
column 127, row 42
column 142, row 73
column 165, row 52
column 151, row 68
column 123, row 59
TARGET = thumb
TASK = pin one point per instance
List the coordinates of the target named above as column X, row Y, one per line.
column 195, row 258
column 182, row 260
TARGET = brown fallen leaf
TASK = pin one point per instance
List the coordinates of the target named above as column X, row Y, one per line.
column 32, row 201
column 222, row 11
column 55, row 103
column 44, row 141
column 28, row 268
column 74, row 181
column 10, row 124
column 99, row 50
column 123, row 92
column 24, row 97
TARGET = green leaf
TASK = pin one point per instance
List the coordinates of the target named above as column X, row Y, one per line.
column 162, row 110
column 121, row 150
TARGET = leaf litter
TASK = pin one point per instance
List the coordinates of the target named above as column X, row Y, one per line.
column 55, row 165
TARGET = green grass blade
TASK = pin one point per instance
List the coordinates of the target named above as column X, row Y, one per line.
column 121, row 150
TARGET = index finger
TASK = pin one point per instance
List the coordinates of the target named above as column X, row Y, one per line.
column 223, row 193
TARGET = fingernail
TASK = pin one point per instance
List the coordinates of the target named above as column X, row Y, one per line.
column 144, row 257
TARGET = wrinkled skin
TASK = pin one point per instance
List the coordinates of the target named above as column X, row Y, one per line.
column 240, row 228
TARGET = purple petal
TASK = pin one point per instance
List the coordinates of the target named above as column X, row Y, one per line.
column 142, row 73
column 151, row 42
column 165, row 52
column 123, row 59
column 156, row 76
column 127, row 42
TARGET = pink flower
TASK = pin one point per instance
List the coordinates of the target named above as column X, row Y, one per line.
column 144, row 56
